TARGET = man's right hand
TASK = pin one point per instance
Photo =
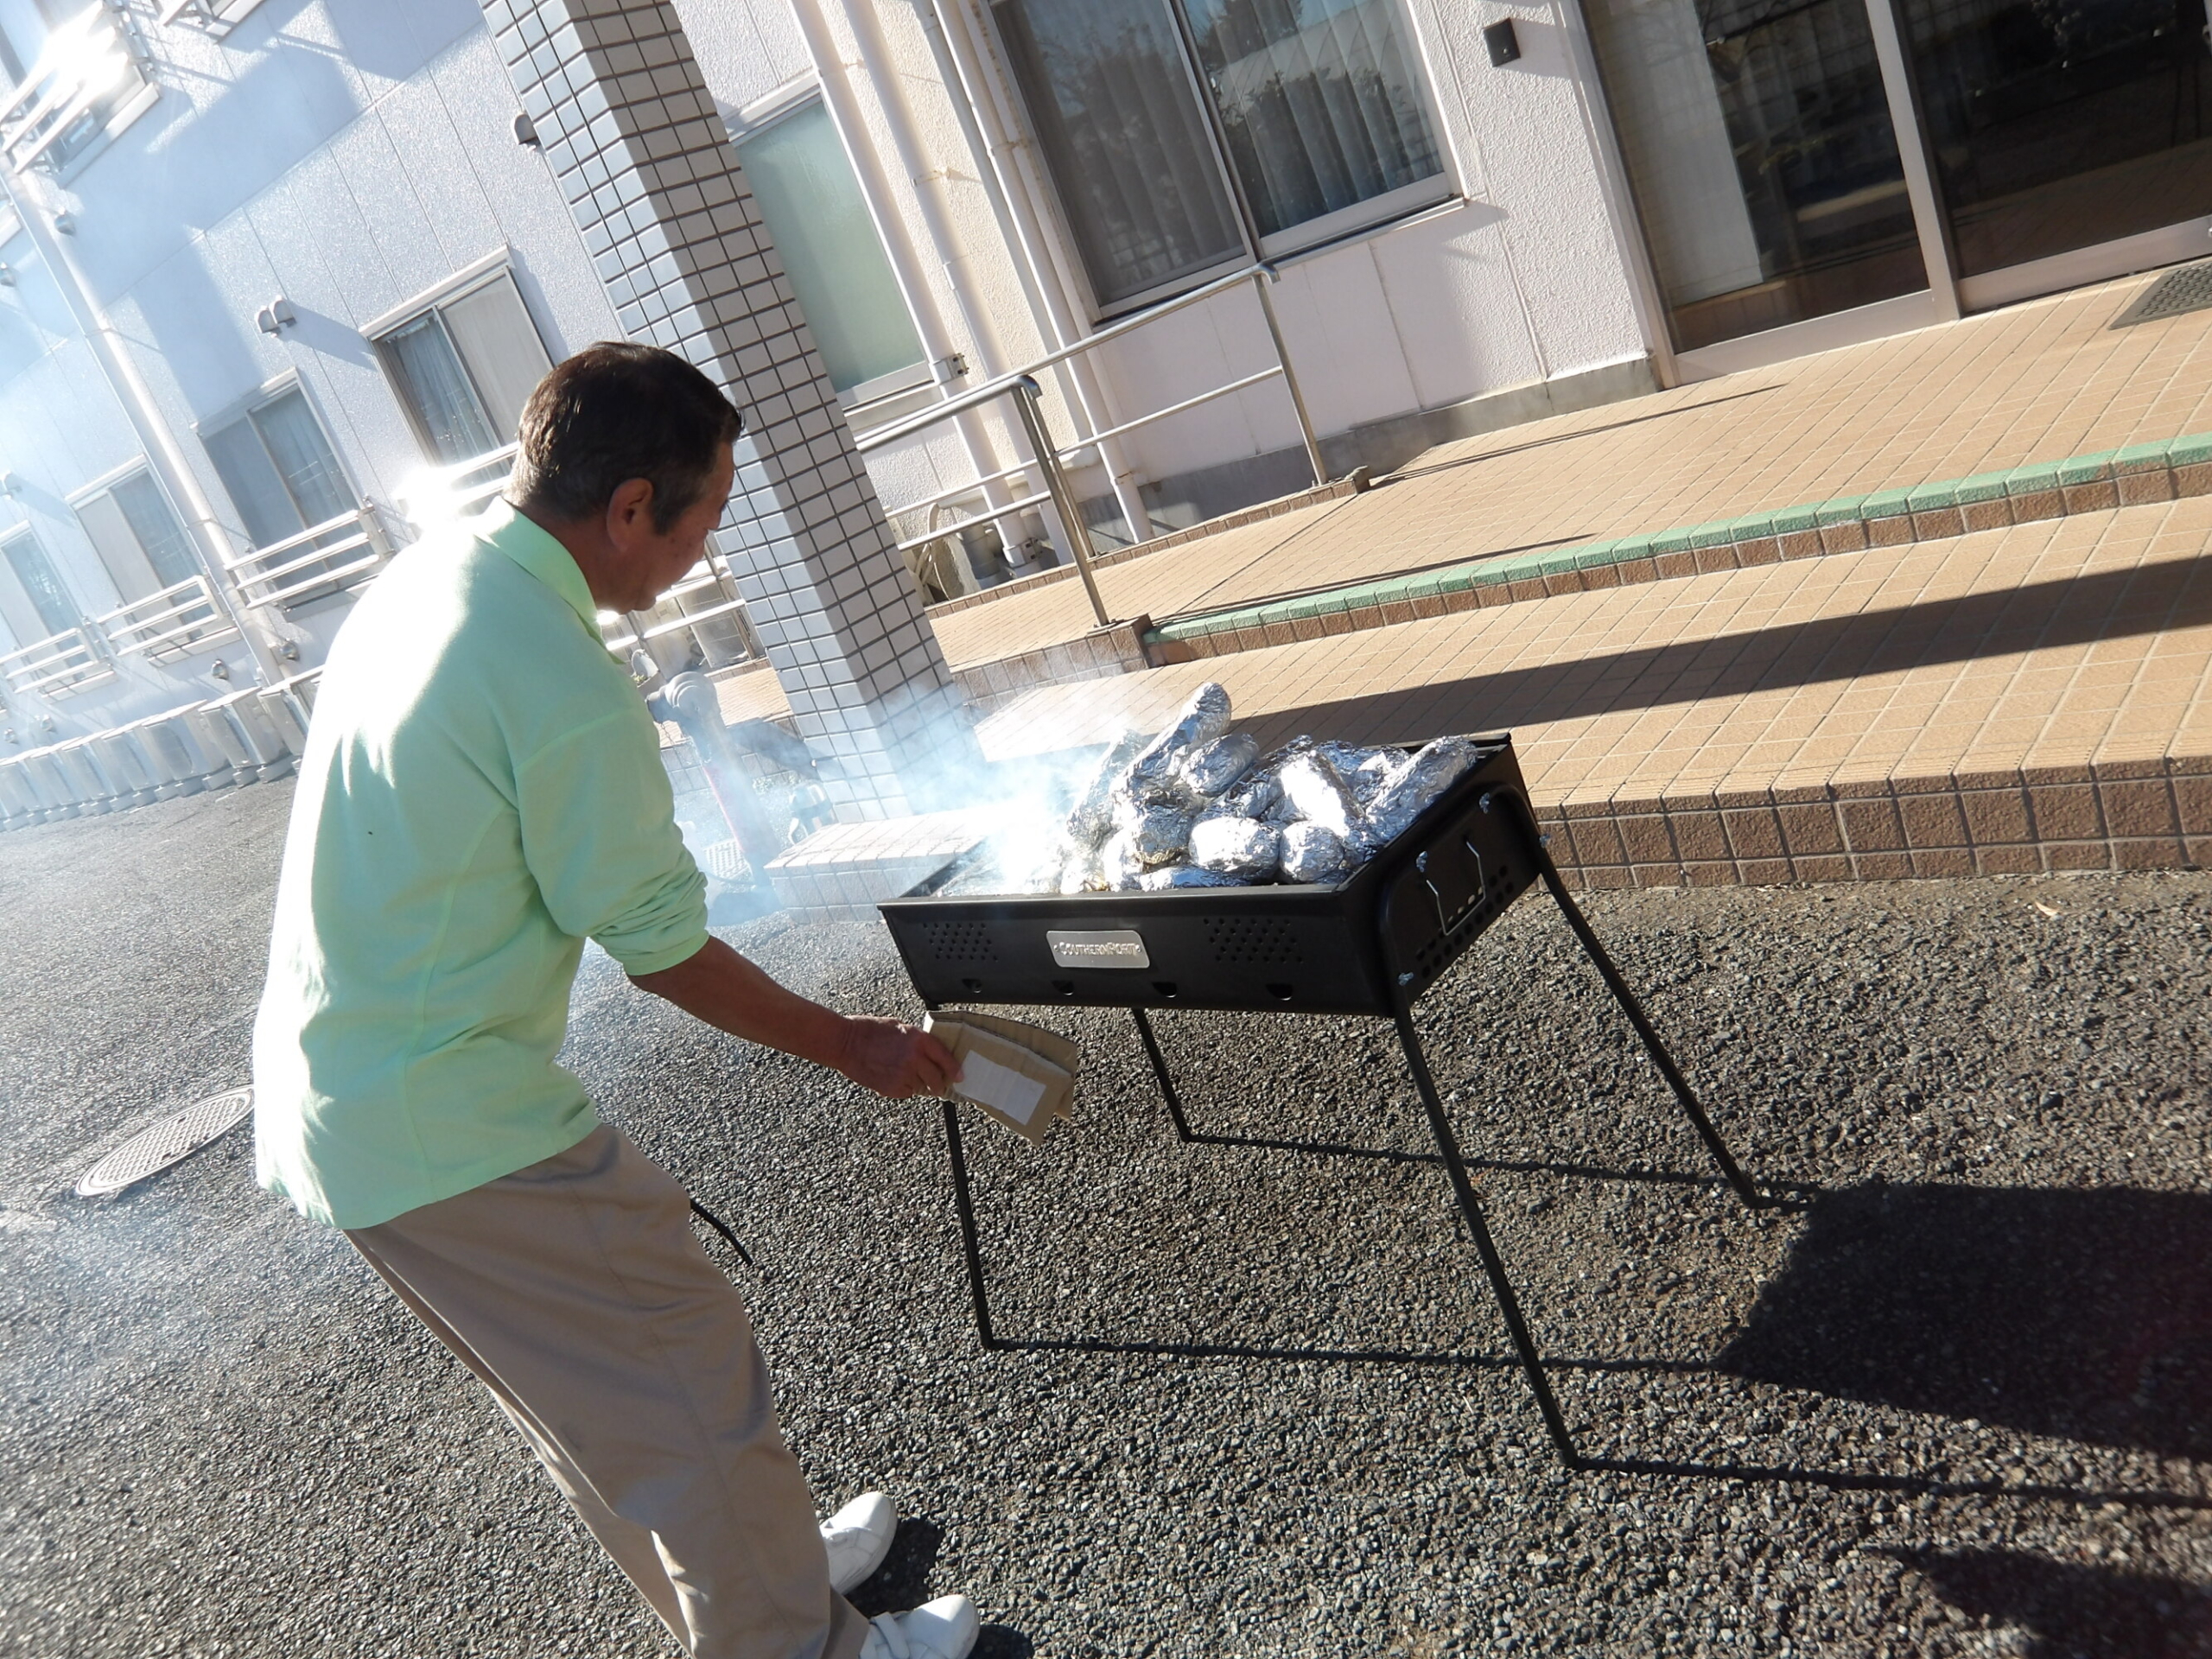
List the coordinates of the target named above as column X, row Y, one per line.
column 894, row 1058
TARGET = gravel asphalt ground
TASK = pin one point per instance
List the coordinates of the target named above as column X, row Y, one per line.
column 1956, row 1401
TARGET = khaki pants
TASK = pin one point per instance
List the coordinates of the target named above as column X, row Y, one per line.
column 577, row 1292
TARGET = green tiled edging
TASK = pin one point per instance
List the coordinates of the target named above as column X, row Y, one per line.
column 2140, row 473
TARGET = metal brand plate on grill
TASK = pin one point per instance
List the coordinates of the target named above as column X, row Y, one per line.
column 1114, row 947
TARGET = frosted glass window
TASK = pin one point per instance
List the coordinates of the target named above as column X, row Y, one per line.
column 803, row 185
column 57, row 611
column 499, row 344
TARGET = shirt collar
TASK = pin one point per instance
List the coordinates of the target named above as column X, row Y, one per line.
column 532, row 547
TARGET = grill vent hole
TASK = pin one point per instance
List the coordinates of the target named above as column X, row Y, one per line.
column 1259, row 940
column 960, row 941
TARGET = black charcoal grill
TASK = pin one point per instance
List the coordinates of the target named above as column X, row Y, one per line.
column 1370, row 945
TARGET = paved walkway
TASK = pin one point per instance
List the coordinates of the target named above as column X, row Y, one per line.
column 2036, row 382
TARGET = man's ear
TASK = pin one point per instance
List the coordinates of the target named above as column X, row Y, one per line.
column 630, row 511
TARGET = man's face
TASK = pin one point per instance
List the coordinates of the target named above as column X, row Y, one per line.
column 651, row 561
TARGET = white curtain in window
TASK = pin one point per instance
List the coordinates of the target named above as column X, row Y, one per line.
column 1108, row 89
column 159, row 536
column 1318, row 102
column 57, row 611
column 436, row 388
column 303, row 459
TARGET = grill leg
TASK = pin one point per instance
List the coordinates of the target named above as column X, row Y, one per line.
column 1517, row 812
column 1493, row 1264
column 1160, row 1070
column 962, row 1202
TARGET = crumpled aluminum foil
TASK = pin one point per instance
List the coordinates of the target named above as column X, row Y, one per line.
column 1162, row 836
column 1119, row 867
column 1255, row 795
column 1208, row 770
column 1417, row 785
column 1090, row 820
column 1150, row 778
column 1241, row 848
column 1183, row 875
column 1313, row 853
column 1312, row 790
column 1079, row 871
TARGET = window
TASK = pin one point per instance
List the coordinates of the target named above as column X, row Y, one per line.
column 1184, row 133
column 279, row 470
column 41, row 607
column 463, row 367
column 811, row 204
column 137, row 536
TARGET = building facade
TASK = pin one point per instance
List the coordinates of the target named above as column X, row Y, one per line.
column 277, row 274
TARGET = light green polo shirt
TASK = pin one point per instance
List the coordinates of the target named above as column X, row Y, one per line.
column 482, row 790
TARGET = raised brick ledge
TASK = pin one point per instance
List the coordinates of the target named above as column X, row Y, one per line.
column 2150, row 474
column 2152, row 814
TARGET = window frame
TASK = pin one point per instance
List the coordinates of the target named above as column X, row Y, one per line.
column 24, row 531
column 244, row 408
column 432, row 301
column 1392, row 207
column 105, row 484
column 796, row 98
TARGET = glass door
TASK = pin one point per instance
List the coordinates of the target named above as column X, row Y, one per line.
column 2058, row 125
column 1760, row 152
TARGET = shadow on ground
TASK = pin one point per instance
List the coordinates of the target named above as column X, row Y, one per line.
column 2071, row 1609
column 2081, row 1315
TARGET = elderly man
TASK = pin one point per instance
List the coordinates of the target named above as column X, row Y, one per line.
column 482, row 792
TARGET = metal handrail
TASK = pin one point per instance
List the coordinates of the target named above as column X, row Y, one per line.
column 59, row 662
column 1050, row 461
column 166, row 624
column 265, row 575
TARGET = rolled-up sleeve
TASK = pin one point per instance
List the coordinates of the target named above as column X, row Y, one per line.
column 599, row 834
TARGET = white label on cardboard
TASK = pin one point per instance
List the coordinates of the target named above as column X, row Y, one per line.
column 988, row 1084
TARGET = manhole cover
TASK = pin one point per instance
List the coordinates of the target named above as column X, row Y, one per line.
column 169, row 1141
column 2188, row 287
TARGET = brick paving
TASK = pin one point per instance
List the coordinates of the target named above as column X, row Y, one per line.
column 2033, row 697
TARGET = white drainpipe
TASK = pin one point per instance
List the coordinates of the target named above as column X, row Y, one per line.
column 906, row 262
column 1047, row 294
column 209, row 541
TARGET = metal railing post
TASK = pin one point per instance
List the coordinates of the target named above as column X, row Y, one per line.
column 1262, row 275
column 1072, row 528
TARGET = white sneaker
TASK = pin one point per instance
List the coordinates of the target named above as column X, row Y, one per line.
column 944, row 1629
column 858, row 1537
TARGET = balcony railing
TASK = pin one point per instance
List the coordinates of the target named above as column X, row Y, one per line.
column 324, row 558
column 56, row 666
column 169, row 624
column 87, row 73
column 437, row 495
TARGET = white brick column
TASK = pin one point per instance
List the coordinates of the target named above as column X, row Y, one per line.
column 625, row 121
